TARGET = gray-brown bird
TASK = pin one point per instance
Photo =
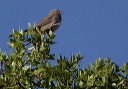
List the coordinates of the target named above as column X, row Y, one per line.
column 51, row 22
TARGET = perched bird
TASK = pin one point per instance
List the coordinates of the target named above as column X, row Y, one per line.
column 51, row 22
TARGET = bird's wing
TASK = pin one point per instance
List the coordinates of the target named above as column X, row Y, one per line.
column 45, row 21
column 56, row 19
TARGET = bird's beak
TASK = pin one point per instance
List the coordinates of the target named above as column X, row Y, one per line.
column 61, row 12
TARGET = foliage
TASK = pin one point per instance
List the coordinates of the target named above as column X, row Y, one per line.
column 28, row 66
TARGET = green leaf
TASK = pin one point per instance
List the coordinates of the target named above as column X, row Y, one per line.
column 126, row 72
column 113, row 84
column 126, row 65
column 29, row 26
column 121, row 83
column 16, row 32
column 81, row 84
column 25, row 68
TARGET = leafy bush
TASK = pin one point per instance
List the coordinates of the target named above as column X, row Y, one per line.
column 28, row 66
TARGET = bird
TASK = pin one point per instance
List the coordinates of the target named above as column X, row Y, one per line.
column 51, row 22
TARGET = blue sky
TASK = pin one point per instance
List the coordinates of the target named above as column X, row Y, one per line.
column 96, row 28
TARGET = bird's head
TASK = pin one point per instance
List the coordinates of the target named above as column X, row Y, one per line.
column 56, row 12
